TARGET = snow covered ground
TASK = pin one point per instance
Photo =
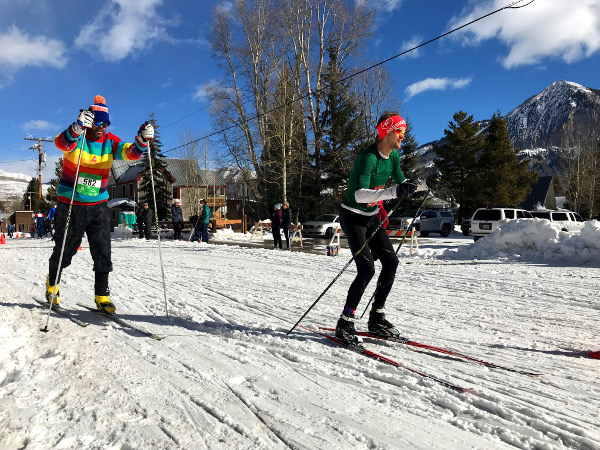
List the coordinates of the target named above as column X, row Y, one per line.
column 227, row 376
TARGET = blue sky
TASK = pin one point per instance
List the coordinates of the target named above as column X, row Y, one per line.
column 152, row 56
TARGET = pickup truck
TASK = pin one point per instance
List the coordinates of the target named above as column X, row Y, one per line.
column 435, row 221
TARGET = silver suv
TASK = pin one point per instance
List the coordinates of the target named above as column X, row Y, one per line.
column 486, row 220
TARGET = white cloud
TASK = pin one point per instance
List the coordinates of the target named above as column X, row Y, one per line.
column 123, row 28
column 39, row 125
column 436, row 84
column 18, row 50
column 413, row 42
column 543, row 29
column 209, row 88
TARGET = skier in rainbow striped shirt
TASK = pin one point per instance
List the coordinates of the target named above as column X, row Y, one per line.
column 89, row 213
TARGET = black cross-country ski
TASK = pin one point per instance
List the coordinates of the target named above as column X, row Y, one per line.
column 406, row 341
column 62, row 311
column 123, row 322
column 363, row 351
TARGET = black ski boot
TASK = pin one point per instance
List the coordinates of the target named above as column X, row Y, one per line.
column 345, row 331
column 379, row 326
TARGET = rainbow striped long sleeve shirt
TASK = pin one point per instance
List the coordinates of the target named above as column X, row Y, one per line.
column 94, row 170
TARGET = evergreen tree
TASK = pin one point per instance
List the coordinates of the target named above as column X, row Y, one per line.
column 51, row 195
column 31, row 198
column 160, row 175
column 504, row 181
column 409, row 156
column 458, row 161
column 342, row 132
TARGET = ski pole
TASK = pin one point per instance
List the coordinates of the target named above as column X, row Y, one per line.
column 157, row 225
column 411, row 226
column 349, row 262
column 193, row 233
column 62, row 248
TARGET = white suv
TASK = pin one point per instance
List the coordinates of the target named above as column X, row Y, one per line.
column 486, row 220
column 567, row 220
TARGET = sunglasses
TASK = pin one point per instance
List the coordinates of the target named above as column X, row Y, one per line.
column 399, row 132
column 102, row 124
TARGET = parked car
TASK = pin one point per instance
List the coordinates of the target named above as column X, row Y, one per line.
column 486, row 220
column 400, row 221
column 323, row 226
column 568, row 220
column 428, row 221
column 465, row 227
column 435, row 221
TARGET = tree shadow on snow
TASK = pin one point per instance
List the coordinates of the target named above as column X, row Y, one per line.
column 569, row 354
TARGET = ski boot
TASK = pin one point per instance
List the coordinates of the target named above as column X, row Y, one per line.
column 345, row 331
column 52, row 291
column 103, row 304
column 380, row 326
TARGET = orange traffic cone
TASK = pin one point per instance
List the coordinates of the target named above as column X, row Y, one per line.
column 2, row 240
column 17, row 235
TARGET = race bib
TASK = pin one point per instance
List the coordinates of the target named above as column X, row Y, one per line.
column 88, row 184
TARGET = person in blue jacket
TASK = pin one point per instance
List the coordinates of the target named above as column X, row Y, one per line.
column 204, row 221
column 39, row 223
column 51, row 220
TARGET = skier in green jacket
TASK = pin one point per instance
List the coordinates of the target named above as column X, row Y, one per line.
column 371, row 170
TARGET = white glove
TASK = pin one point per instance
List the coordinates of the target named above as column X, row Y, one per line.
column 145, row 134
column 85, row 120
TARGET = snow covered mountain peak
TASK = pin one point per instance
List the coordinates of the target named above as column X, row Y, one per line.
column 555, row 117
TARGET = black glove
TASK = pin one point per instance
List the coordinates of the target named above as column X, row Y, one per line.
column 433, row 180
column 405, row 189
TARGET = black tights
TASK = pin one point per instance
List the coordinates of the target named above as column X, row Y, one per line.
column 357, row 229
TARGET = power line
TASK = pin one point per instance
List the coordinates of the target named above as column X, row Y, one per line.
column 235, row 124
column 249, row 101
column 19, row 160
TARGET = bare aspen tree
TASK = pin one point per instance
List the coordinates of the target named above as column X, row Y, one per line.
column 315, row 27
column 191, row 154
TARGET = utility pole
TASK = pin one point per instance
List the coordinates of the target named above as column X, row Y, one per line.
column 41, row 157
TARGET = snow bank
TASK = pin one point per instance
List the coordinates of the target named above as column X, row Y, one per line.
column 535, row 239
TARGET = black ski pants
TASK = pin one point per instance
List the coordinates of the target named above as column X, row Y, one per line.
column 94, row 221
column 177, row 227
column 357, row 229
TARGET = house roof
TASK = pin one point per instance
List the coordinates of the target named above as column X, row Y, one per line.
column 128, row 171
column 538, row 194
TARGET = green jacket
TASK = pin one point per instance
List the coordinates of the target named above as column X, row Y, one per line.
column 371, row 171
column 205, row 215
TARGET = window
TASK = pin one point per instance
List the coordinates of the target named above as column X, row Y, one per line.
column 446, row 214
column 560, row 216
column 509, row 213
column 524, row 214
column 131, row 193
column 114, row 192
column 541, row 214
column 176, row 192
column 578, row 218
column 487, row 214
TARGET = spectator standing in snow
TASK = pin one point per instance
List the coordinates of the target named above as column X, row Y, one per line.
column 147, row 216
column 89, row 214
column 286, row 222
column 371, row 170
column 39, row 224
column 177, row 219
column 276, row 225
column 204, row 221
column 51, row 214
column 9, row 229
